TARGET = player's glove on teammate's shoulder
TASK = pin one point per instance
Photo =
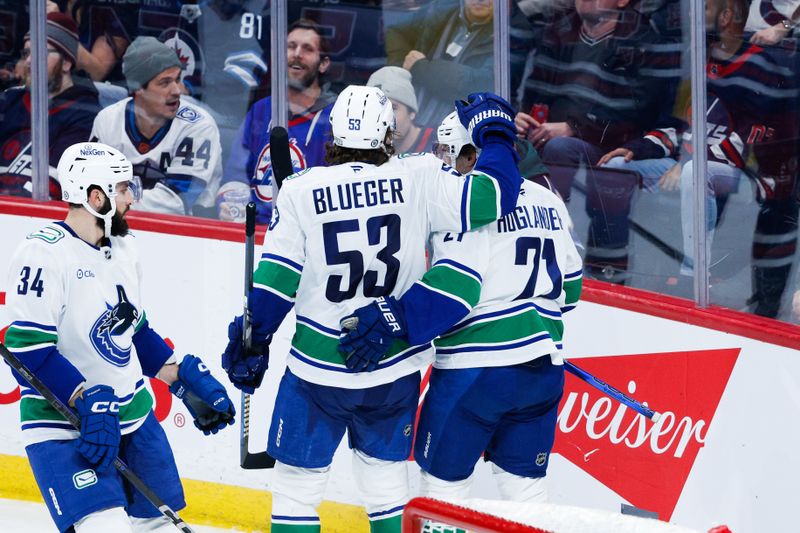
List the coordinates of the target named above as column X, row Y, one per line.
column 203, row 395
column 100, row 432
column 245, row 370
column 369, row 332
column 486, row 115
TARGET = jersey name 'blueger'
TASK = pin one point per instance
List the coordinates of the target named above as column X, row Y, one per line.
column 537, row 217
column 353, row 195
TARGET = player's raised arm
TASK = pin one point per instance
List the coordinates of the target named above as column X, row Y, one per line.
column 490, row 191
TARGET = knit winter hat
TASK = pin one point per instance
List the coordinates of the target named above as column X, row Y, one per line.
column 395, row 82
column 62, row 34
column 146, row 58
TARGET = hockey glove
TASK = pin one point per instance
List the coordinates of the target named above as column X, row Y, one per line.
column 245, row 370
column 369, row 332
column 485, row 115
column 203, row 395
column 100, row 432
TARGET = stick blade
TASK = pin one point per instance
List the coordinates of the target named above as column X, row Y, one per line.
column 279, row 154
column 256, row 461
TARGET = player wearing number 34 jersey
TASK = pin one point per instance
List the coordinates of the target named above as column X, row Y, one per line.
column 341, row 236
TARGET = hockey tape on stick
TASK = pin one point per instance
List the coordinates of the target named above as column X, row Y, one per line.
column 279, row 155
column 247, row 460
column 612, row 392
column 73, row 419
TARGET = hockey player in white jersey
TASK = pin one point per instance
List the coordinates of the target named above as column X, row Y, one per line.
column 494, row 297
column 339, row 237
column 77, row 323
column 173, row 144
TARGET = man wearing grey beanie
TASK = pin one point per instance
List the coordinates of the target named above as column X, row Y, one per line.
column 172, row 142
column 395, row 83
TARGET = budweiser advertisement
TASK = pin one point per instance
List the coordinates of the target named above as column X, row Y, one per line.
column 626, row 451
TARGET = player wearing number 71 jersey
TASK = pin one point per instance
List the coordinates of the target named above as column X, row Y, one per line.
column 494, row 297
column 339, row 237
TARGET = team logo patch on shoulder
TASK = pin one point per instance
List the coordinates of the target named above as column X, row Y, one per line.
column 48, row 234
column 188, row 114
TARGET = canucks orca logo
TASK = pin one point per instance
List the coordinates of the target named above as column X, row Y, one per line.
column 110, row 327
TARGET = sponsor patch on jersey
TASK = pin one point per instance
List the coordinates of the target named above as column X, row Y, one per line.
column 188, row 114
column 84, row 478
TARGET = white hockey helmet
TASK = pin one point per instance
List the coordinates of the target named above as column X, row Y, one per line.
column 451, row 136
column 85, row 164
column 361, row 117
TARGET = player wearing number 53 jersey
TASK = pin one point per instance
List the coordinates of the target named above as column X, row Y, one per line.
column 494, row 298
column 341, row 236
column 173, row 145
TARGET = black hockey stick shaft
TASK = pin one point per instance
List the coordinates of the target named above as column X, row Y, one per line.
column 247, row 460
column 73, row 419
column 281, row 168
column 612, row 392
column 279, row 155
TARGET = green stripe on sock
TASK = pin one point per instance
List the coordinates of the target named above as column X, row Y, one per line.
column 294, row 528
column 386, row 525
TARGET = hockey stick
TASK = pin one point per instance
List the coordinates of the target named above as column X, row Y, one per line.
column 281, row 168
column 621, row 397
column 73, row 419
column 247, row 460
column 279, row 155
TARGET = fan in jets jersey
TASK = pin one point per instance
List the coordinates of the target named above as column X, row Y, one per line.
column 173, row 144
column 493, row 301
column 340, row 236
column 78, row 324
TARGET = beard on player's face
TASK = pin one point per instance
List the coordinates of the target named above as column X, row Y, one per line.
column 119, row 226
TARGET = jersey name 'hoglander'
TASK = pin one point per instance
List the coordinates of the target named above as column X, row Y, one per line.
column 356, row 194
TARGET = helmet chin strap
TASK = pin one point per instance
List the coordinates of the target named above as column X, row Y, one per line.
column 106, row 217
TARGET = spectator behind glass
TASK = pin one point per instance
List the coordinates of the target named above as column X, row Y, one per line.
column 14, row 18
column 72, row 108
column 601, row 77
column 173, row 145
column 772, row 20
column 310, row 103
column 752, row 112
column 449, row 53
column 106, row 29
column 395, row 83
